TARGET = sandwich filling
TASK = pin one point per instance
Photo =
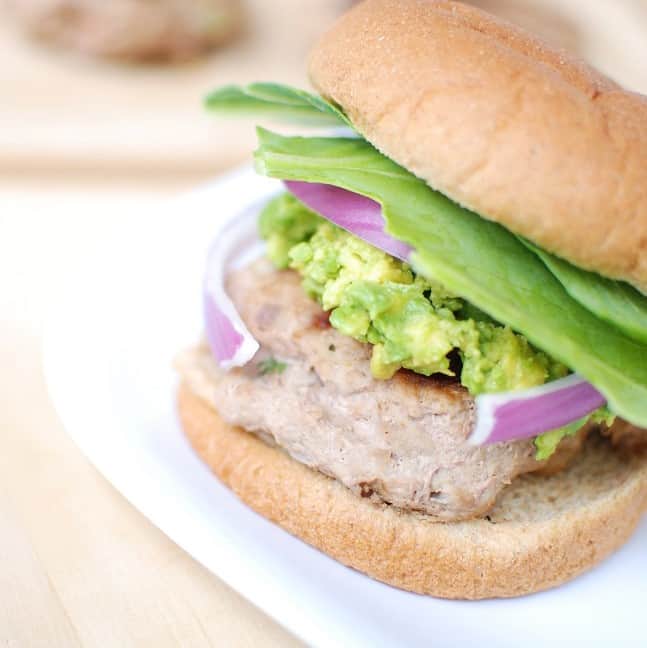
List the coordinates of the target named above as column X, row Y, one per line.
column 410, row 322
column 463, row 296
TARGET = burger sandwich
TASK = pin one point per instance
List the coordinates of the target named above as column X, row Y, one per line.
column 436, row 371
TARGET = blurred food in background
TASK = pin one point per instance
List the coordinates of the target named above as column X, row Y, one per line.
column 150, row 30
column 66, row 115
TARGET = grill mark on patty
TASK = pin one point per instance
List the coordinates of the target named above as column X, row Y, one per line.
column 321, row 320
column 450, row 385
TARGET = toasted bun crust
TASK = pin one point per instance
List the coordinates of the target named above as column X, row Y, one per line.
column 544, row 530
column 490, row 116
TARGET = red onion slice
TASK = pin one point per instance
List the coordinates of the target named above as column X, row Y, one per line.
column 356, row 214
column 521, row 415
column 235, row 244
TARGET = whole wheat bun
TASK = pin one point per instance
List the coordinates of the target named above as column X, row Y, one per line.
column 542, row 532
column 493, row 118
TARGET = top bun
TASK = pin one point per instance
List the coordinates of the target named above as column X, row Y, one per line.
column 492, row 117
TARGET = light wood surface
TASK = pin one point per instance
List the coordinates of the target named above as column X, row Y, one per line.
column 81, row 144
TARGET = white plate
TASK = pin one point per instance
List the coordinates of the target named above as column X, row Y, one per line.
column 108, row 355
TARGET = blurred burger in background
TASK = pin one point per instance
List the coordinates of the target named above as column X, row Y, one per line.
column 149, row 30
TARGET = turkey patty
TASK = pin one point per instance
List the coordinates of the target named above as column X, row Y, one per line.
column 401, row 441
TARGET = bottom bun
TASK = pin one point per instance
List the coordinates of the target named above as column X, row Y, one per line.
column 542, row 532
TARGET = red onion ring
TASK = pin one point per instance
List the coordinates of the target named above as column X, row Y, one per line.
column 235, row 242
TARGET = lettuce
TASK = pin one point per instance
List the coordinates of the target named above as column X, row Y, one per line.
column 475, row 258
column 615, row 302
column 276, row 102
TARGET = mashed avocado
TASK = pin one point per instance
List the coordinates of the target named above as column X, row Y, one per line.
column 547, row 442
column 285, row 222
column 412, row 322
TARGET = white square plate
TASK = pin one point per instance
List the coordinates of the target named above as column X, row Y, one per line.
column 108, row 356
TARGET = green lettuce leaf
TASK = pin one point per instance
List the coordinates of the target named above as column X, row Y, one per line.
column 615, row 302
column 475, row 258
column 276, row 102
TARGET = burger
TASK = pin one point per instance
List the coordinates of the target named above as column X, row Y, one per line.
column 133, row 30
column 434, row 369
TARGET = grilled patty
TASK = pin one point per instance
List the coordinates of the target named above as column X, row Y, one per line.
column 400, row 441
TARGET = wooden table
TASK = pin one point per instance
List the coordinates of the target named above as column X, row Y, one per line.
column 81, row 145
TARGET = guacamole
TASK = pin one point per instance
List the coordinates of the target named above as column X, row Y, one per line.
column 412, row 322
